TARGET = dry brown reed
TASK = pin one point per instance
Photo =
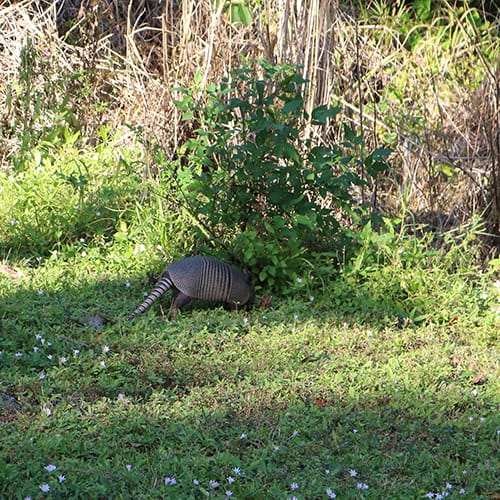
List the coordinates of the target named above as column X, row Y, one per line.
column 445, row 135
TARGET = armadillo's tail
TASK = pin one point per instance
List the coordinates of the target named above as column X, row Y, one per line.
column 163, row 285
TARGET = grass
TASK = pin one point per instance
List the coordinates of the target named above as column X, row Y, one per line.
column 300, row 400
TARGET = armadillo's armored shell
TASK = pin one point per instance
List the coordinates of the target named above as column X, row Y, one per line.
column 210, row 279
column 201, row 278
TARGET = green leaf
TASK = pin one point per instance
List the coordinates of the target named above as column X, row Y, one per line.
column 320, row 115
column 380, row 154
column 291, row 106
column 351, row 136
column 304, row 220
column 423, row 9
column 292, row 153
column 241, row 13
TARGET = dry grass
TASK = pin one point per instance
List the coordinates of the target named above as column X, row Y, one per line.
column 438, row 104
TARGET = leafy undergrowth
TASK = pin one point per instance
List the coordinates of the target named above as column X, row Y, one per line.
column 331, row 393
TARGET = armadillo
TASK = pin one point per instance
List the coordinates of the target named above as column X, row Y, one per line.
column 201, row 278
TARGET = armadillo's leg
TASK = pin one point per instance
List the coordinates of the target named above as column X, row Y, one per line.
column 179, row 302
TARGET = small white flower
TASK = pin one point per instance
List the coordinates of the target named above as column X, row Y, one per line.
column 449, row 486
column 19, row 354
column 82, row 240
column 243, row 435
column 42, row 376
column 245, row 321
column 76, row 352
column 429, row 495
column 63, row 359
column 464, row 472
column 98, row 214
column 50, row 468
column 84, row 254
column 27, row 498
column 461, row 491
column 277, row 448
column 121, row 396
column 145, row 294
column 299, row 280
column 230, row 480
column 311, row 298
column 42, row 341
column 484, row 296
column 213, row 484
column 105, row 349
column 61, row 478
column 294, row 486
column 103, row 363
column 49, row 343
column 45, row 488
column 237, row 471
column 474, row 392
column 295, row 433
column 170, row 481
column 129, row 467
column 362, row 486
column 49, row 356
column 40, row 292
column 355, row 431
column 482, row 420
column 496, row 284
column 127, row 284
column 38, row 336
column 14, row 222
column 353, row 473
column 35, row 348
column 330, row 493
column 471, row 419
column 229, row 493
column 196, row 482
column 295, row 316
column 47, row 411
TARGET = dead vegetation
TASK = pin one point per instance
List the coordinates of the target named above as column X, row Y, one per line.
column 436, row 102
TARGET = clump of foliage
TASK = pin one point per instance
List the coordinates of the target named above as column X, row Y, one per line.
column 255, row 183
column 60, row 186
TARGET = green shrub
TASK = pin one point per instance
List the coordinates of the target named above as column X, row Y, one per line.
column 63, row 193
column 252, row 180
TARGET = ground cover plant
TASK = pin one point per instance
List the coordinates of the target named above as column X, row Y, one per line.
column 369, row 369
column 337, row 391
